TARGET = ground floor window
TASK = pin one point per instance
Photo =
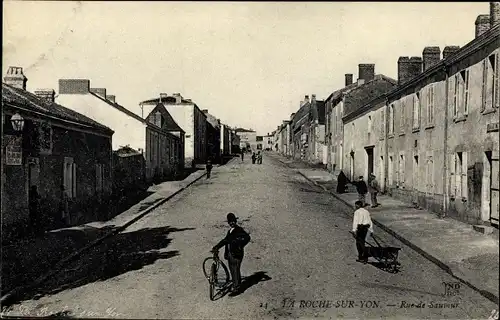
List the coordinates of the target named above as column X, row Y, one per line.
column 69, row 177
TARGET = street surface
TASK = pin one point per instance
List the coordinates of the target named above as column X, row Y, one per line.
column 300, row 262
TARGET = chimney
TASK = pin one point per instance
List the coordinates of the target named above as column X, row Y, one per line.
column 15, row 77
column 482, row 23
column 306, row 99
column 204, row 110
column 111, row 98
column 431, row 56
column 494, row 14
column 360, row 81
column 408, row 68
column 449, row 50
column 313, row 98
column 99, row 91
column 348, row 79
column 74, row 86
column 366, row 71
column 291, row 116
column 46, row 94
column 178, row 97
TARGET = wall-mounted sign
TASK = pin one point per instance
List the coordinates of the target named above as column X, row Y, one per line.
column 492, row 127
column 13, row 151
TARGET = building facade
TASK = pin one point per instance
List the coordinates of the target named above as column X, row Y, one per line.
column 213, row 137
column 56, row 163
column 130, row 129
column 190, row 118
column 248, row 139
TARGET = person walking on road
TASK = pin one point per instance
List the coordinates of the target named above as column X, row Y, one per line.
column 361, row 188
column 242, row 155
column 254, row 157
column 209, row 167
column 259, row 157
column 361, row 225
column 374, row 188
column 234, row 242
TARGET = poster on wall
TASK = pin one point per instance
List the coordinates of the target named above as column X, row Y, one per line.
column 13, row 151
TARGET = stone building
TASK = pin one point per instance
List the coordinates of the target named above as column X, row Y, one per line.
column 435, row 136
column 62, row 156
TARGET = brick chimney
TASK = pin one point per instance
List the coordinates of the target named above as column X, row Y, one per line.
column 74, row 86
column 348, row 79
column 15, row 77
column 313, row 98
column 494, row 14
column 482, row 24
column 46, row 94
column 408, row 68
column 366, row 71
column 449, row 50
column 204, row 110
column 111, row 98
column 99, row 91
column 306, row 99
column 431, row 56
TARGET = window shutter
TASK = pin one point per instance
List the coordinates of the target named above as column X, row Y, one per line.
column 73, row 184
column 485, row 84
column 496, row 87
column 455, row 97
column 466, row 92
column 432, row 105
column 431, row 169
column 458, row 176
column 464, row 175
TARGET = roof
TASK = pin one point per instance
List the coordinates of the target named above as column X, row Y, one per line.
column 212, row 120
column 471, row 47
column 119, row 107
column 303, row 111
column 338, row 93
column 169, row 124
column 25, row 99
column 357, row 97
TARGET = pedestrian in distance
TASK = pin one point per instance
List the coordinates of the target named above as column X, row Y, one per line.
column 259, row 157
column 361, row 225
column 361, row 188
column 342, row 182
column 374, row 188
column 234, row 242
column 254, row 157
column 242, row 155
column 209, row 167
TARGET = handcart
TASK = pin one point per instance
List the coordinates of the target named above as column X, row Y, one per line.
column 387, row 256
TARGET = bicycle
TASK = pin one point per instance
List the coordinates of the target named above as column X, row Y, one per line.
column 216, row 273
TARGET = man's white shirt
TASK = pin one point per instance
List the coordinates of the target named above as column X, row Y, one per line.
column 361, row 216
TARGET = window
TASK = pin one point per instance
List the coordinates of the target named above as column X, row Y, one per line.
column 98, row 178
column 158, row 119
column 465, row 78
column 401, row 171
column 69, row 177
column 416, row 111
column 391, row 172
column 45, row 138
column 391, row 119
column 429, row 170
column 491, row 92
column 382, row 123
column 458, row 171
column 415, row 172
column 402, row 117
column 430, row 105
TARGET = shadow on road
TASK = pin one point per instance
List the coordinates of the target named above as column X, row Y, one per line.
column 250, row 281
column 115, row 256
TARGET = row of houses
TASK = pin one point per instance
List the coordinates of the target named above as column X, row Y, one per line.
column 65, row 156
column 431, row 136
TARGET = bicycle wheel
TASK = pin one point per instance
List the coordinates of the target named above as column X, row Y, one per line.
column 207, row 263
column 212, row 280
column 222, row 278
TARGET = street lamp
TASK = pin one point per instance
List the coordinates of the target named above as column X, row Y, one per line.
column 17, row 122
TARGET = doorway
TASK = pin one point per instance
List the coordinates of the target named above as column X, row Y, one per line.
column 370, row 160
column 491, row 198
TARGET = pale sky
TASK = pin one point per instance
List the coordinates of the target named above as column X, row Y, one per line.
column 248, row 63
